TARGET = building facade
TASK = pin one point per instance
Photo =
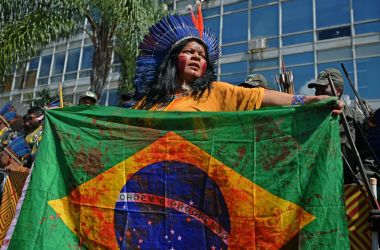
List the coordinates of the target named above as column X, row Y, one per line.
column 67, row 61
column 255, row 36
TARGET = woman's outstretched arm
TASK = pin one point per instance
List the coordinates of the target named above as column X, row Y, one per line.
column 275, row 98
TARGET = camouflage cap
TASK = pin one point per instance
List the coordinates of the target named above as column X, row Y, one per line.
column 255, row 80
column 89, row 94
column 322, row 78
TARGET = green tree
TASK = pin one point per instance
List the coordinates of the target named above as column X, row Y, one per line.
column 43, row 98
column 128, row 39
column 27, row 26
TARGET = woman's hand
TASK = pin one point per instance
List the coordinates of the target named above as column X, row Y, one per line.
column 336, row 109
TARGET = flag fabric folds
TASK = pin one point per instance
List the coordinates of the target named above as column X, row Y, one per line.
column 109, row 178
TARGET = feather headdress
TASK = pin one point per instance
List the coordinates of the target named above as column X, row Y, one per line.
column 18, row 149
column 162, row 37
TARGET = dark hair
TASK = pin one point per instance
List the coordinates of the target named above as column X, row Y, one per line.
column 36, row 110
column 165, row 86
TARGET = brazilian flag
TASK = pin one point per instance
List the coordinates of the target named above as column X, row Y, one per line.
column 111, row 178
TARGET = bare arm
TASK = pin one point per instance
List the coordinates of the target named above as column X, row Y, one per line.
column 275, row 98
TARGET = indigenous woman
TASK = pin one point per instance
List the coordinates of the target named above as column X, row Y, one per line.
column 175, row 72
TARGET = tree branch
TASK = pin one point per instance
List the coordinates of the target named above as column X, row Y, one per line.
column 93, row 25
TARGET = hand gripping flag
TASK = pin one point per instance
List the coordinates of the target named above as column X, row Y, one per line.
column 110, row 178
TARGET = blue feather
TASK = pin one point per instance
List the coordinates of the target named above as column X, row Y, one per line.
column 19, row 147
column 6, row 108
column 157, row 44
column 10, row 116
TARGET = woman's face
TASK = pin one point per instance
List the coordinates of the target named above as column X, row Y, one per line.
column 191, row 62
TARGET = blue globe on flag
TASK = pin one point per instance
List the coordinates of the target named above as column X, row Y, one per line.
column 171, row 205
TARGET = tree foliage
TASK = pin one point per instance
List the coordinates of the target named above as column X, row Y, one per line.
column 43, row 98
column 27, row 26
column 128, row 39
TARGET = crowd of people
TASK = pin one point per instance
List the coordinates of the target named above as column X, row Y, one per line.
column 20, row 135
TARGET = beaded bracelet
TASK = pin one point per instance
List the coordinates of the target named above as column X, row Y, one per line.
column 298, row 100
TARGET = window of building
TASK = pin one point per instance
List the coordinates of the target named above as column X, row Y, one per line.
column 235, row 6
column 87, row 41
column 297, row 39
column 20, row 75
column 103, row 98
column 235, row 27
column 69, row 97
column 259, row 2
column 213, row 25
column 115, row 68
column 45, row 65
column 16, row 98
column 88, row 53
column 300, row 58
column 302, row 75
column 364, row 10
column 44, row 69
column 297, row 16
column 31, row 75
column 85, row 73
column 116, row 59
column 368, row 76
column 77, row 95
column 54, row 80
column 210, row 12
column 33, row 63
column 86, row 66
column 331, row 13
column 364, row 28
column 233, row 49
column 72, row 64
column 60, row 48
column 334, row 33
column 58, row 64
column 367, row 50
column 264, row 21
column 7, row 85
column 273, row 42
column 261, row 64
column 334, row 54
column 234, row 78
column 183, row 4
column 113, row 97
column 75, row 44
column 236, row 67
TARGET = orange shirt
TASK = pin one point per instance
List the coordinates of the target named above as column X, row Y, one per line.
column 222, row 97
